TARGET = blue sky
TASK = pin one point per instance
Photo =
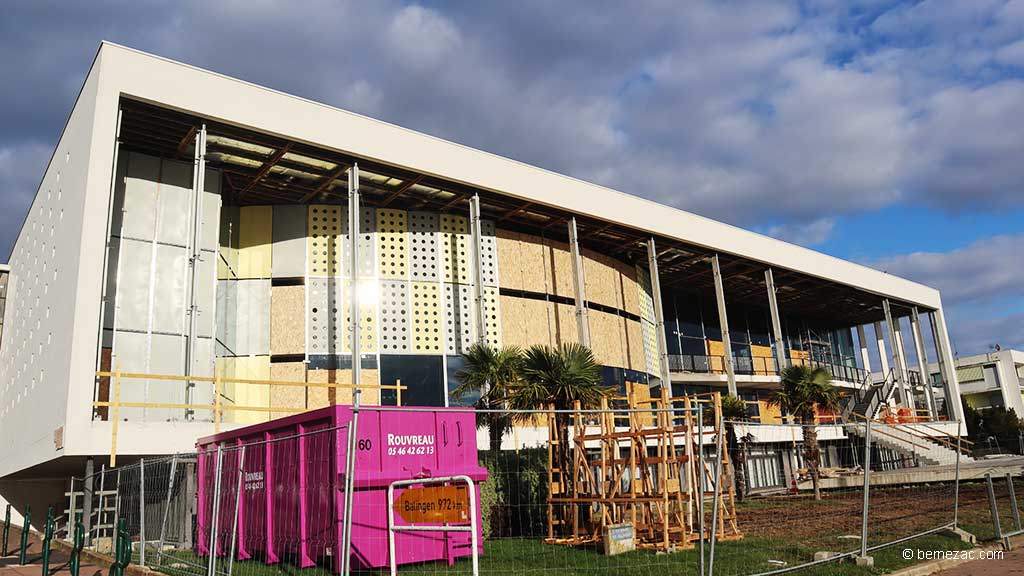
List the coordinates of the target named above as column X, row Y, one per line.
column 889, row 133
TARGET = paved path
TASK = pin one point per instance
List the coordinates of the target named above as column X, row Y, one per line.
column 1012, row 562
column 58, row 559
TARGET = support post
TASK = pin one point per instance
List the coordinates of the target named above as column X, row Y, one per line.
column 723, row 320
column 579, row 285
column 87, row 496
column 781, row 361
column 865, row 355
column 901, row 352
column 167, row 508
column 948, row 367
column 993, row 506
column 114, row 416
column 478, row 269
column 717, row 499
column 1013, row 502
column 897, row 355
column 883, row 356
column 350, row 454
column 211, row 568
column 922, row 362
column 142, row 511
column 190, row 503
column 195, row 242
column 659, row 313
column 238, row 506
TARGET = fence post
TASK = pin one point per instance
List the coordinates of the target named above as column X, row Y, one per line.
column 238, row 505
column 700, row 480
column 1013, row 501
column 719, row 440
column 117, row 504
column 71, row 510
column 22, row 555
column 864, row 559
column 212, row 566
column 77, row 544
column 47, row 538
column 167, row 509
column 142, row 511
column 7, row 529
column 993, row 507
column 956, row 482
column 190, row 503
column 87, row 495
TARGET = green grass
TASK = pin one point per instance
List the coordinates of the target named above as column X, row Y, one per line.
column 512, row 556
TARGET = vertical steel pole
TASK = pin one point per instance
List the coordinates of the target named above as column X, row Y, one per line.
column 1013, row 501
column 238, row 506
column 956, row 482
column 142, row 511
column 478, row 268
column 723, row 320
column 99, row 499
column 87, row 495
column 167, row 508
column 773, row 306
column 350, row 454
column 71, row 510
column 867, row 490
column 659, row 314
column 897, row 356
column 215, row 515
column 719, row 441
column 579, row 285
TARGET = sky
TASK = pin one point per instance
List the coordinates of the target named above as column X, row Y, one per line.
column 888, row 133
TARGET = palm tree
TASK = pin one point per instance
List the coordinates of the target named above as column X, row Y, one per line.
column 733, row 409
column 805, row 389
column 491, row 373
column 559, row 377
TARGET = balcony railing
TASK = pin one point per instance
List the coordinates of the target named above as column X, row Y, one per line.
column 757, row 366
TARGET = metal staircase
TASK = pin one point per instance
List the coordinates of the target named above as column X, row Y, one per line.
column 866, row 400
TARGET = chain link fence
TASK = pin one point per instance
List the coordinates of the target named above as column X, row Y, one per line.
column 688, row 491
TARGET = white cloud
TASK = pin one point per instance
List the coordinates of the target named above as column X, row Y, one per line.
column 805, row 234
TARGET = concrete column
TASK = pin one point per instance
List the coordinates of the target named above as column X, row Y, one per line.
column 353, row 246
column 947, row 366
column 922, row 361
column 478, row 268
column 897, row 355
column 901, row 357
column 659, row 313
column 87, row 496
column 579, row 290
column 1009, row 382
column 865, row 356
column 781, row 361
column 883, row 356
column 723, row 319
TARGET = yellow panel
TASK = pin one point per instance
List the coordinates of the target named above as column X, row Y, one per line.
column 326, row 236
column 367, row 321
column 761, row 356
column 716, row 356
column 769, row 414
column 252, row 368
column 391, row 242
column 255, row 241
column 426, row 318
column 455, row 248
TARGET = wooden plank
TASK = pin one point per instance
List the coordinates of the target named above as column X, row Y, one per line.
column 510, row 263
column 287, row 320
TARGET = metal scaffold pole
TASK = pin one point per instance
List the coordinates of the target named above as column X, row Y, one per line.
column 350, row 456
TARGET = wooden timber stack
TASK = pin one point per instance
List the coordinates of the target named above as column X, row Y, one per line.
column 636, row 462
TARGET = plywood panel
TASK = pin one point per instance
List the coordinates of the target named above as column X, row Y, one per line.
column 287, row 320
column 537, row 320
column 716, row 356
column 252, row 368
column 565, row 328
column 510, row 263
column 769, row 414
column 558, row 267
column 629, row 287
column 607, row 338
column 600, row 279
column 255, row 241
column 287, row 396
column 635, row 346
column 514, row 331
column 392, row 226
column 762, row 358
column 320, row 397
column 534, row 264
column 288, row 256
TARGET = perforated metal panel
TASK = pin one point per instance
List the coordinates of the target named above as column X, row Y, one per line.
column 423, row 258
column 325, row 304
column 646, row 300
column 367, row 244
column 492, row 316
column 327, row 226
column 426, row 318
column 391, row 243
column 455, row 248
column 488, row 253
column 394, row 317
column 367, row 321
column 459, row 332
column 651, row 358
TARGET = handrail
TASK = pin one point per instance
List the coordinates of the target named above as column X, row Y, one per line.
column 883, row 433
column 950, row 445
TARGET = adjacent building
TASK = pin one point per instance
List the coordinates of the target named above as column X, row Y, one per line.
column 992, row 380
column 200, row 227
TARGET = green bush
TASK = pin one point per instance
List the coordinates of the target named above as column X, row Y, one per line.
column 513, row 500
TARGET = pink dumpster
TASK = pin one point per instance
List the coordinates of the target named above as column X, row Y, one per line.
column 292, row 480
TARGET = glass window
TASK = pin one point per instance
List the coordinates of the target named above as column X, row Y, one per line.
column 760, row 327
column 688, row 313
column 421, row 376
column 455, row 363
